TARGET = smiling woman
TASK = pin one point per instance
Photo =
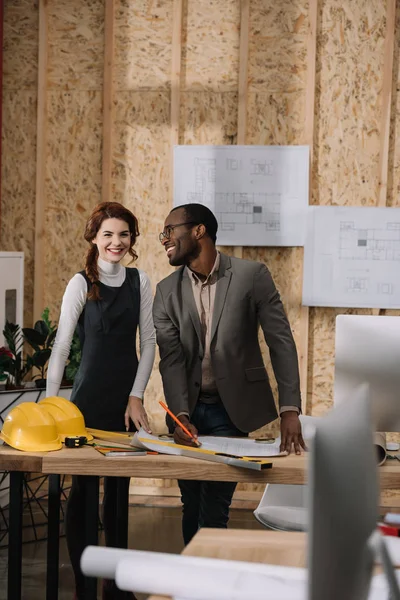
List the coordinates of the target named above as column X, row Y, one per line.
column 111, row 232
column 107, row 303
column 113, row 240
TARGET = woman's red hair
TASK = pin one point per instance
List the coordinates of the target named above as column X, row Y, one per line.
column 105, row 210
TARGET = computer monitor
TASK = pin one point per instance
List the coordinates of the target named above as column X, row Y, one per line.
column 343, row 541
column 367, row 349
column 343, row 502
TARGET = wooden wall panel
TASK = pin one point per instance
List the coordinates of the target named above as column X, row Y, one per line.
column 349, row 82
column 20, row 45
column 76, row 44
column 394, row 145
column 18, row 183
column 211, row 45
column 143, row 44
column 73, row 185
column 20, row 65
column 74, row 137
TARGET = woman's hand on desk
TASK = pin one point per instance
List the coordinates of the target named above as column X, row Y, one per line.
column 291, row 432
column 135, row 410
column 180, row 437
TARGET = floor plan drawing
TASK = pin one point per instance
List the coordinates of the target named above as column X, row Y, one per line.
column 262, row 167
column 357, row 285
column 352, row 257
column 369, row 244
column 259, row 194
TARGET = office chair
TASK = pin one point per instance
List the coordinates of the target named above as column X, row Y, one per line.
column 283, row 507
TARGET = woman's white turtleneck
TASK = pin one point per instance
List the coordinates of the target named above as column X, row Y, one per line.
column 73, row 303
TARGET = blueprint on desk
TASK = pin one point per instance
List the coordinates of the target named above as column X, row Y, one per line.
column 259, row 194
column 352, row 257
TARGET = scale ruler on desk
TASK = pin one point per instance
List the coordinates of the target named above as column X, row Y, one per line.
column 246, row 462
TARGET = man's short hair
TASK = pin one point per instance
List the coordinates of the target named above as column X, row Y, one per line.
column 200, row 214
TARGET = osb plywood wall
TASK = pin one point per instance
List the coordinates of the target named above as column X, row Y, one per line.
column 347, row 134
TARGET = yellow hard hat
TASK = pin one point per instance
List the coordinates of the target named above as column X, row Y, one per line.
column 68, row 417
column 30, row 428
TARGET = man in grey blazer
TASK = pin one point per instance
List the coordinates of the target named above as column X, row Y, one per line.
column 207, row 315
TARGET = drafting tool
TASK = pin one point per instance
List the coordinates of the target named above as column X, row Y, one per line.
column 120, row 438
column 246, row 462
column 178, row 422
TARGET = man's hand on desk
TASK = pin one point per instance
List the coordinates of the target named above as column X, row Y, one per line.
column 180, row 437
column 291, row 432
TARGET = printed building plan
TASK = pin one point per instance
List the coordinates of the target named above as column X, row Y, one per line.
column 259, row 194
column 352, row 257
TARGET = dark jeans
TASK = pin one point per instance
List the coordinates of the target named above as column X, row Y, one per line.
column 206, row 503
column 75, row 526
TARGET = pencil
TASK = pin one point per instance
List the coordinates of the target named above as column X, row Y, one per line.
column 171, row 414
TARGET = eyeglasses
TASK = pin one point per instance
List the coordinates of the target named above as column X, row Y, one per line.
column 166, row 234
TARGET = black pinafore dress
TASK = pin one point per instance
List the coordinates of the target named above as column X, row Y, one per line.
column 107, row 332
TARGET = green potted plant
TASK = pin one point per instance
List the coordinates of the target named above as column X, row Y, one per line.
column 41, row 339
column 13, row 363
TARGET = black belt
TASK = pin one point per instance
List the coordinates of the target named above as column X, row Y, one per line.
column 209, row 398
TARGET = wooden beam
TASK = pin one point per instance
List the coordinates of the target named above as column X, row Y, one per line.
column 40, row 201
column 387, row 85
column 386, row 101
column 243, row 70
column 243, row 84
column 108, row 97
column 309, row 140
column 176, row 57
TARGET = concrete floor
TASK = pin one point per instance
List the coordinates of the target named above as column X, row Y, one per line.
column 155, row 528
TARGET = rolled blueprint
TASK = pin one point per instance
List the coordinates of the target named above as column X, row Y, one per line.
column 194, row 578
column 209, row 581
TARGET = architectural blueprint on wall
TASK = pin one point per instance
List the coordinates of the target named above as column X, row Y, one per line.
column 259, row 194
column 352, row 257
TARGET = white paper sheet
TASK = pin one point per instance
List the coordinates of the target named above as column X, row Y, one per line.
column 227, row 445
column 259, row 194
column 210, row 579
column 352, row 257
column 239, row 446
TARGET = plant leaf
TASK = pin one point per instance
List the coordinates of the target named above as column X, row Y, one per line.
column 40, row 358
column 42, row 328
column 34, row 337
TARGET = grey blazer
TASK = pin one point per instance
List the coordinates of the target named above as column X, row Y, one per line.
column 246, row 298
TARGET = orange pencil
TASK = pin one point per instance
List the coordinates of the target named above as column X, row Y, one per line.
column 171, row 414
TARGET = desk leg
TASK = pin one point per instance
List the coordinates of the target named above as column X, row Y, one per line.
column 91, row 528
column 53, row 538
column 122, row 515
column 15, row 536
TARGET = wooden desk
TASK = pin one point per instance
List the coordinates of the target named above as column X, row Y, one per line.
column 87, row 461
column 285, row 470
column 252, row 545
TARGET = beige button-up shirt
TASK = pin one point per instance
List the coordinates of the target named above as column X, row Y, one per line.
column 204, row 296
